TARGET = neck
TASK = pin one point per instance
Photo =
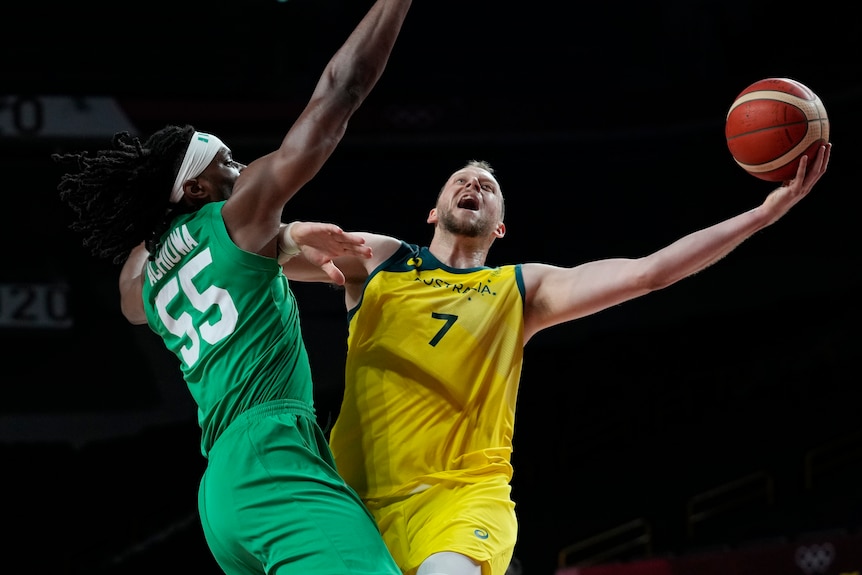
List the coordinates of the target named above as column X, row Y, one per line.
column 460, row 251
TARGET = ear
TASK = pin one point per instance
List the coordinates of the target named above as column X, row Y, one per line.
column 194, row 190
column 432, row 216
column 500, row 231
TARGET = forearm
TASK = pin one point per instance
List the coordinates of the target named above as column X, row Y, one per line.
column 316, row 251
column 359, row 63
column 701, row 249
column 347, row 80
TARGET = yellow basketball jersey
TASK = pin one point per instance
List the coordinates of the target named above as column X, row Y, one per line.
column 433, row 364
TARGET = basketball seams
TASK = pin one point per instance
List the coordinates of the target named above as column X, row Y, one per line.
column 795, row 101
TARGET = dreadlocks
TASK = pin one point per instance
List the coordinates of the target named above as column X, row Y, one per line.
column 121, row 195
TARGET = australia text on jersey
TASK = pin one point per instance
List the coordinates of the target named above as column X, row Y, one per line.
column 480, row 288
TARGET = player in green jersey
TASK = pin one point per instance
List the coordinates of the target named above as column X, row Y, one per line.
column 196, row 233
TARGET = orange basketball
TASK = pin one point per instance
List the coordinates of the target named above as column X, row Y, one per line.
column 773, row 123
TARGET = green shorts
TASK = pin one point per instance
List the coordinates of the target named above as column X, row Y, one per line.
column 475, row 519
column 271, row 501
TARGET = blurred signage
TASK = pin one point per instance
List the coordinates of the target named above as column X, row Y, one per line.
column 35, row 305
column 34, row 116
column 835, row 553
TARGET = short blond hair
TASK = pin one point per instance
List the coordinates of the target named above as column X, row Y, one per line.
column 483, row 165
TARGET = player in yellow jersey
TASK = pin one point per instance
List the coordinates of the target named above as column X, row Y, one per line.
column 435, row 349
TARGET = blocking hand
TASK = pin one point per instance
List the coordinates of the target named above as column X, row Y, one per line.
column 320, row 243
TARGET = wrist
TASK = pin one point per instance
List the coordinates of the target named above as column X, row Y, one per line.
column 287, row 247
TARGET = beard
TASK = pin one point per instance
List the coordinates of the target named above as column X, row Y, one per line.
column 470, row 229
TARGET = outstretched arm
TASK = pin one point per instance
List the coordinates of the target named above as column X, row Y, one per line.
column 319, row 259
column 319, row 244
column 556, row 295
column 253, row 212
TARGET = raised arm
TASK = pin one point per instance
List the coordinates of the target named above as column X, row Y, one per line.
column 253, row 212
column 556, row 295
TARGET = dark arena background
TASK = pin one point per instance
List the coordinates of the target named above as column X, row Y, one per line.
column 710, row 428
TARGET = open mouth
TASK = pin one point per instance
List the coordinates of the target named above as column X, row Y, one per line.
column 469, row 203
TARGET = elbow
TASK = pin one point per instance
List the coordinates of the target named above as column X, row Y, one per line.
column 651, row 277
column 132, row 314
column 656, row 283
column 354, row 86
column 353, row 94
column 132, row 306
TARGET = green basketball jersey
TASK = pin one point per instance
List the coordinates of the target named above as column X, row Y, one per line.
column 433, row 364
column 230, row 318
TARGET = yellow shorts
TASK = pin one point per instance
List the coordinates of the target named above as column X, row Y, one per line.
column 474, row 519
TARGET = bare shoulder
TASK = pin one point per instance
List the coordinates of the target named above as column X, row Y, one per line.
column 357, row 269
column 382, row 248
column 381, row 242
column 534, row 272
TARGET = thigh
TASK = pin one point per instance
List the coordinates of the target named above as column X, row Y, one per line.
column 272, row 494
column 477, row 520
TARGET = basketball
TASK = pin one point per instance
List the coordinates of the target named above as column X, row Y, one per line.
column 772, row 124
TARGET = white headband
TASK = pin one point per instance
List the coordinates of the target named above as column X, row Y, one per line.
column 201, row 151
